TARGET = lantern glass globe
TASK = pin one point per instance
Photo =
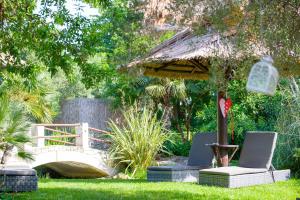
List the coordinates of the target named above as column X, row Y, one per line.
column 263, row 77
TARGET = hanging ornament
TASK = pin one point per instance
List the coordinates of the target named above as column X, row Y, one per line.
column 263, row 77
column 225, row 106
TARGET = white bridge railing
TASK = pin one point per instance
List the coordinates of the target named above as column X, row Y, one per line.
column 69, row 134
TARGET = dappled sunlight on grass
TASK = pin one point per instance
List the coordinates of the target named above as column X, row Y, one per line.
column 141, row 189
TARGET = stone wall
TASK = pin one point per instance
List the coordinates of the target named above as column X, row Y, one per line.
column 95, row 112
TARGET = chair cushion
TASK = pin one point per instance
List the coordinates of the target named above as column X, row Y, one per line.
column 258, row 149
column 18, row 172
column 174, row 168
column 232, row 171
column 200, row 154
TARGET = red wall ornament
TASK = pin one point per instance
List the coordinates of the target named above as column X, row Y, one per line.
column 225, row 105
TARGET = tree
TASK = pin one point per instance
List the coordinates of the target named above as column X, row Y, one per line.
column 274, row 25
column 29, row 95
column 162, row 91
column 197, row 94
column 52, row 38
column 13, row 130
column 122, row 39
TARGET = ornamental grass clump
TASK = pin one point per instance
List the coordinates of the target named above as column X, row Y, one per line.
column 288, row 128
column 136, row 142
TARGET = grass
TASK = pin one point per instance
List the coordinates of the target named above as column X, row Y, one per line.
column 89, row 189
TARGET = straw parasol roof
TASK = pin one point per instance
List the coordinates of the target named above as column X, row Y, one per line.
column 189, row 56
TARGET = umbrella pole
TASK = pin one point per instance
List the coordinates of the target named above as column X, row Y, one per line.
column 222, row 134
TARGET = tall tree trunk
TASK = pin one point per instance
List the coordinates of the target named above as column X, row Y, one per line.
column 188, row 117
column 177, row 122
column 167, row 116
column 167, row 111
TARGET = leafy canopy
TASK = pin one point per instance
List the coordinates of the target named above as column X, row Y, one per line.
column 48, row 37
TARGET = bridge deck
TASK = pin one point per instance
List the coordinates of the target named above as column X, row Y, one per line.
column 76, row 158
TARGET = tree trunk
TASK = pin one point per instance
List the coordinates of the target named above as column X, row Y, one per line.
column 167, row 111
column 5, row 154
column 3, row 157
column 167, row 116
column 188, row 121
column 177, row 122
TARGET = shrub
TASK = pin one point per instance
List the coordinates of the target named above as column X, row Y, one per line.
column 176, row 146
column 288, row 128
column 13, row 130
column 297, row 153
column 286, row 154
column 137, row 141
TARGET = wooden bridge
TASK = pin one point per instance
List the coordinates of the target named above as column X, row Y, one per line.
column 72, row 150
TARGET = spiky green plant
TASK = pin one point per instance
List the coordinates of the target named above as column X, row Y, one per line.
column 137, row 141
column 13, row 130
column 288, row 127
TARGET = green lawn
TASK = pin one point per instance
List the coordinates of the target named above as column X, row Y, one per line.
column 87, row 189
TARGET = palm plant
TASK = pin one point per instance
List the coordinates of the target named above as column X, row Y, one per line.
column 32, row 99
column 13, row 130
column 178, row 99
column 33, row 103
column 137, row 142
column 163, row 90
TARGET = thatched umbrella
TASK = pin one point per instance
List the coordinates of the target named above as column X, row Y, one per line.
column 189, row 56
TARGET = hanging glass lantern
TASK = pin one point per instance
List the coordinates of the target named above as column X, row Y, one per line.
column 263, row 77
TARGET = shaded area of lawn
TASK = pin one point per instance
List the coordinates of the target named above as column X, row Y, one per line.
column 87, row 189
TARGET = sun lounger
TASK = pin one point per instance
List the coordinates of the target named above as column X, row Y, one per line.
column 254, row 165
column 200, row 157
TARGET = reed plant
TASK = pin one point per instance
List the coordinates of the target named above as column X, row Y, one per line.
column 288, row 128
column 136, row 142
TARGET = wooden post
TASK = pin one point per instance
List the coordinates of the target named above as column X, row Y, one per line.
column 83, row 132
column 222, row 133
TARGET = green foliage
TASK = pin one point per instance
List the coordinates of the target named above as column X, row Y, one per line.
column 176, row 146
column 166, row 88
column 249, row 111
column 26, row 34
column 69, row 130
column 43, row 34
column 120, row 40
column 137, row 141
column 274, row 24
column 98, row 3
column 13, row 129
column 30, row 95
column 297, row 153
column 287, row 125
